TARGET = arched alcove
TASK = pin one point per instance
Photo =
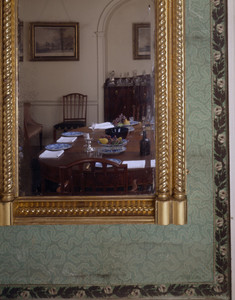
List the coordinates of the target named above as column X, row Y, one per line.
column 108, row 27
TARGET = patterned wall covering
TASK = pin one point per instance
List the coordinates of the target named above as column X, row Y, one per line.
column 146, row 260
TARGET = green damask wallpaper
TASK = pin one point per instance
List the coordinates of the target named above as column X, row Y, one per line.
column 146, row 260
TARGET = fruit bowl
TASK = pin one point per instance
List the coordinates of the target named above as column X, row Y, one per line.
column 112, row 142
column 121, row 120
column 117, row 131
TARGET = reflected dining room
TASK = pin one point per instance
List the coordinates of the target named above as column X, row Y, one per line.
column 99, row 160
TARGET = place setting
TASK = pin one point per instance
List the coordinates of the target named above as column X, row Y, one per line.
column 65, row 142
column 58, row 146
column 51, row 152
column 54, row 150
column 69, row 137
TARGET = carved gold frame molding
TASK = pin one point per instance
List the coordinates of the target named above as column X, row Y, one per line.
column 169, row 204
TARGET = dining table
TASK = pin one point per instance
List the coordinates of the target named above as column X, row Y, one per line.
column 141, row 168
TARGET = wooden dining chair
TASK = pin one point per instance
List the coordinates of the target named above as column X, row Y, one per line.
column 74, row 113
column 93, row 176
column 31, row 127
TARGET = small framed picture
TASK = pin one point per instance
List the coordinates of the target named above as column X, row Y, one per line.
column 141, row 41
column 54, row 41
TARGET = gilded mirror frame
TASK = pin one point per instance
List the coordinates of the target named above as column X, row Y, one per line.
column 169, row 204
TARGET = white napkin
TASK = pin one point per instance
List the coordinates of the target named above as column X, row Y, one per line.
column 65, row 139
column 104, row 125
column 153, row 163
column 134, row 164
column 51, row 154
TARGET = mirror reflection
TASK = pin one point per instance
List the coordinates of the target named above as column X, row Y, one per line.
column 86, row 97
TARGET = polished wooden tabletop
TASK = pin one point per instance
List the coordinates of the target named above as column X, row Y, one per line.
column 77, row 150
column 50, row 166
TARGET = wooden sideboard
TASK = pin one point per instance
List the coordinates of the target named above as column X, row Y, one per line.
column 129, row 96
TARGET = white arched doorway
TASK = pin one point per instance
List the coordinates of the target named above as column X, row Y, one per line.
column 115, row 9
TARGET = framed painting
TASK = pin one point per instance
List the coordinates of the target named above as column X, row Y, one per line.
column 54, row 41
column 141, row 41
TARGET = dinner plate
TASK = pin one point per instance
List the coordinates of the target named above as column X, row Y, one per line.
column 59, row 146
column 112, row 150
column 118, row 161
column 72, row 133
column 124, row 142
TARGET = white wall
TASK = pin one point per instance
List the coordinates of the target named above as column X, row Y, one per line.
column 44, row 83
column 231, row 67
column 119, row 37
column 67, row 76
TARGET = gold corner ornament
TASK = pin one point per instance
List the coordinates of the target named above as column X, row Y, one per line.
column 169, row 204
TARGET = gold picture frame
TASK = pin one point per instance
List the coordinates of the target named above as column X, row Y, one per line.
column 169, row 204
column 141, row 41
column 53, row 41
